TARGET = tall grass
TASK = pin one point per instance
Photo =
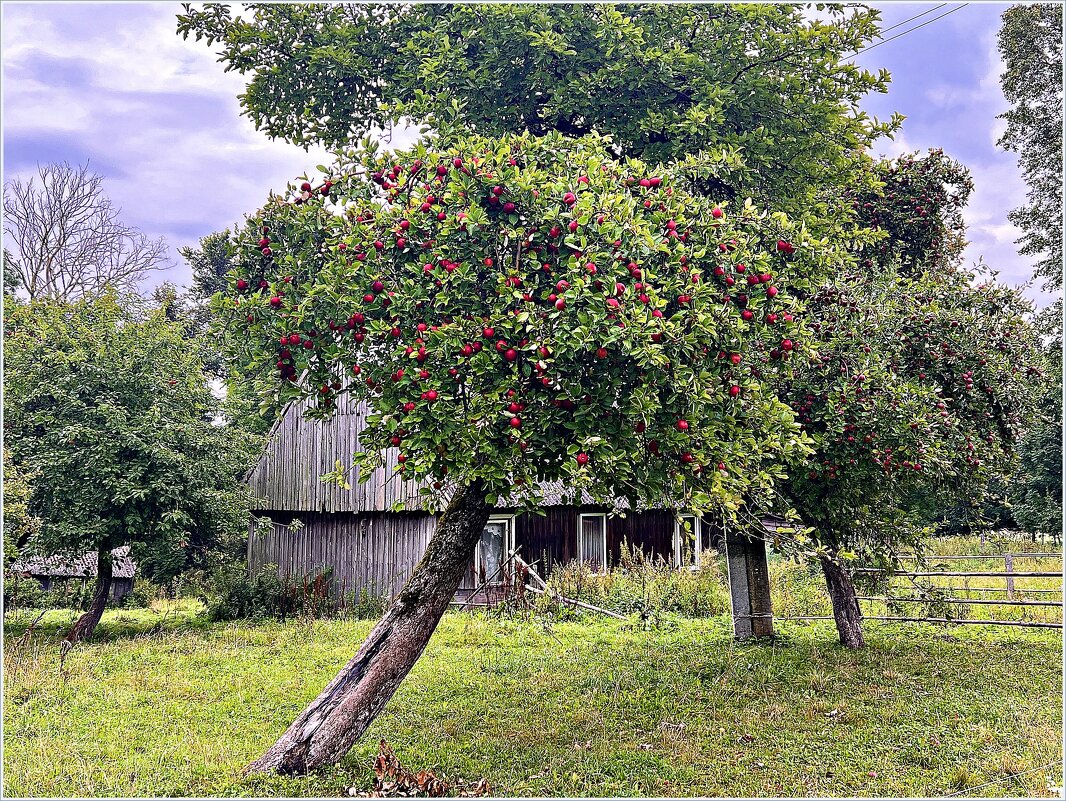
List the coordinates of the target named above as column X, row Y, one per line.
column 644, row 585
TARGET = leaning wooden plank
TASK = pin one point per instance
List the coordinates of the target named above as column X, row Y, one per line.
column 533, row 573
column 580, row 604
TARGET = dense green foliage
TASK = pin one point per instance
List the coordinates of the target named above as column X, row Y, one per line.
column 920, row 377
column 211, row 264
column 916, row 203
column 19, row 524
column 528, row 309
column 1036, row 489
column 1030, row 43
column 106, row 402
column 662, row 80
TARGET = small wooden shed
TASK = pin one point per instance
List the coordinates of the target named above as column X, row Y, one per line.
column 48, row 571
column 304, row 525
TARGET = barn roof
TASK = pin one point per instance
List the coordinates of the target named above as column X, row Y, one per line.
column 73, row 565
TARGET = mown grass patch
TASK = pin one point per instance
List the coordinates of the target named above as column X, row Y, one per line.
column 596, row 707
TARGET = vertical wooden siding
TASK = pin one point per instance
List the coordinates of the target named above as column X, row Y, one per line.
column 552, row 538
column 300, row 451
column 376, row 551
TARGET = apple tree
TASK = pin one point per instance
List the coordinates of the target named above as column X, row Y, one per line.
column 915, row 386
column 518, row 310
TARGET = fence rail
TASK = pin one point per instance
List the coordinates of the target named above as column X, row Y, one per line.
column 992, row 556
column 993, row 601
column 974, row 573
column 1022, row 623
column 1009, row 589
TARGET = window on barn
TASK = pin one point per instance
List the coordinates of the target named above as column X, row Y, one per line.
column 592, row 540
column 691, row 539
column 497, row 540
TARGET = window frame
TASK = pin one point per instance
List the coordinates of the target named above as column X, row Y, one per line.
column 697, row 540
column 508, row 541
column 581, row 557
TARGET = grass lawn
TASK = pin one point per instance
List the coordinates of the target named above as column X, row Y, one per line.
column 599, row 709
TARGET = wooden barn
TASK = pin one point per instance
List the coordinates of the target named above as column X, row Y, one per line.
column 48, row 571
column 304, row 525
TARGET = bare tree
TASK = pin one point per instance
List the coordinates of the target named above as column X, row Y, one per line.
column 64, row 238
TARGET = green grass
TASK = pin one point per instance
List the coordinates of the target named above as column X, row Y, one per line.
column 601, row 708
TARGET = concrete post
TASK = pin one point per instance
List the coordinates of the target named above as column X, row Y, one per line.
column 749, row 585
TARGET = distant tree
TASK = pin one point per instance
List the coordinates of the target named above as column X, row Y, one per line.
column 64, row 238
column 663, row 81
column 1036, row 488
column 1030, row 42
column 106, row 403
column 210, row 263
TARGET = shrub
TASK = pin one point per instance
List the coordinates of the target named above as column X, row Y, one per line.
column 231, row 594
column 366, row 604
column 21, row 592
column 145, row 592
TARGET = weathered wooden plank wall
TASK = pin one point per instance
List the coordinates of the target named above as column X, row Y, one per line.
column 300, row 451
column 374, row 550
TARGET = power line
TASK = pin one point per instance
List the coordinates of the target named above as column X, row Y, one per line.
column 909, row 30
column 911, row 19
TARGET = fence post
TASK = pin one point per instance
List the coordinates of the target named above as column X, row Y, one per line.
column 749, row 585
column 1008, row 559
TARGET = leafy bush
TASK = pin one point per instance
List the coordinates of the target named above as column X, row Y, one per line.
column 231, row 594
column 366, row 604
column 21, row 592
column 145, row 592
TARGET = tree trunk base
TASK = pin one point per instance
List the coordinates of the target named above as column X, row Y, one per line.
column 325, row 731
column 846, row 609
column 85, row 625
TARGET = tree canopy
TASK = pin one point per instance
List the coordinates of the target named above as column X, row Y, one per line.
column 662, row 81
column 529, row 308
column 106, row 404
column 1030, row 43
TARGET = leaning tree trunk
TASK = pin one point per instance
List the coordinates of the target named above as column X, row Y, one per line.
column 846, row 610
column 85, row 625
column 335, row 721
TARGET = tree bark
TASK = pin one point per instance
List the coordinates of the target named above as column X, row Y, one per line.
column 846, row 610
column 85, row 625
column 324, row 732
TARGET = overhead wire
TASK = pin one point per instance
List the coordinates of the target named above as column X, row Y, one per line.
column 911, row 19
column 909, row 30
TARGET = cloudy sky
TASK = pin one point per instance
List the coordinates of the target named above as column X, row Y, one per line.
column 112, row 84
